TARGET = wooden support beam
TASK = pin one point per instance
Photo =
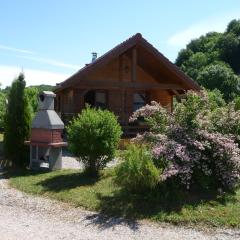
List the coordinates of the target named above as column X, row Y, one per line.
column 175, row 92
column 120, row 68
column 109, row 84
column 134, row 65
column 84, row 92
column 178, row 95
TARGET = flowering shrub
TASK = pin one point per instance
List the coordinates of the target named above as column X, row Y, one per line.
column 203, row 159
column 226, row 120
column 193, row 145
column 155, row 115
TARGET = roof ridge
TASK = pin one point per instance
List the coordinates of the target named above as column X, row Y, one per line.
column 119, row 49
column 170, row 63
column 135, row 37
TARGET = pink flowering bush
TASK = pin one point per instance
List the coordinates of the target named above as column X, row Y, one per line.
column 193, row 145
column 155, row 115
column 202, row 159
column 226, row 120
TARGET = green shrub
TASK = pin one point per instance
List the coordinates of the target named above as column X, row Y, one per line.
column 226, row 120
column 237, row 103
column 137, row 172
column 94, row 136
column 215, row 98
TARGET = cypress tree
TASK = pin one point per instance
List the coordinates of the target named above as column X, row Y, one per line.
column 17, row 124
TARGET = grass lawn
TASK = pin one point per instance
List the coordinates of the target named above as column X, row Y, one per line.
column 102, row 195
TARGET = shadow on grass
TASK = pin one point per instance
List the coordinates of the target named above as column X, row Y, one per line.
column 10, row 172
column 121, row 207
column 67, row 181
column 151, row 204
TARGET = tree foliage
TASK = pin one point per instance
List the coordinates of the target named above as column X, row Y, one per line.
column 17, row 123
column 222, row 77
column 2, row 108
column 32, row 93
column 213, row 60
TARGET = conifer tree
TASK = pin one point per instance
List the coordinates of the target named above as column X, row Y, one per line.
column 17, row 124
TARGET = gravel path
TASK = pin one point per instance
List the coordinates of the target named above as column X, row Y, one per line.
column 71, row 162
column 27, row 217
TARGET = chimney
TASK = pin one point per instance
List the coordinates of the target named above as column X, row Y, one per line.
column 94, row 56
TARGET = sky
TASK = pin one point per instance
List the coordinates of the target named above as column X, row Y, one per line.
column 49, row 40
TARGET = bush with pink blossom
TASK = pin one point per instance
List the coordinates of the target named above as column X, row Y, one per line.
column 195, row 145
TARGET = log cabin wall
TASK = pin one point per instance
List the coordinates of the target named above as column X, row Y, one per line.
column 131, row 74
column 123, row 69
column 162, row 96
column 67, row 101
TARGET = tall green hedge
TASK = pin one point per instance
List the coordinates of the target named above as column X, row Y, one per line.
column 17, row 124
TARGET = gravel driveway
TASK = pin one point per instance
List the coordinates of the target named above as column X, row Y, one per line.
column 27, row 217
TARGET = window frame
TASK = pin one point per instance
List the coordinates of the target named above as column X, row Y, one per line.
column 146, row 93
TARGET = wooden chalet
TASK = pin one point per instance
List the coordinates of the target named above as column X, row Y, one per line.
column 123, row 80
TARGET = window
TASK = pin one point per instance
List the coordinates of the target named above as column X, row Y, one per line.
column 101, row 100
column 89, row 98
column 34, row 152
column 139, row 100
column 96, row 99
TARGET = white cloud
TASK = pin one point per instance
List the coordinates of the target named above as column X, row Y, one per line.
column 36, row 58
column 12, row 49
column 32, row 76
column 216, row 24
column 50, row 62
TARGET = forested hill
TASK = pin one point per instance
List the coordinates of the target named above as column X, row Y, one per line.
column 43, row 87
column 213, row 60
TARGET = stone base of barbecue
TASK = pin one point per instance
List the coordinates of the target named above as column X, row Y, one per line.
column 45, row 156
column 55, row 159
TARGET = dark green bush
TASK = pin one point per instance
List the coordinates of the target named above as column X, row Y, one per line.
column 94, row 136
column 17, row 124
column 137, row 172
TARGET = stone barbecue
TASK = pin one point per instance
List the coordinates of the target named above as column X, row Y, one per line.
column 46, row 140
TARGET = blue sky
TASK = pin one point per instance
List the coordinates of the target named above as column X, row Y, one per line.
column 51, row 39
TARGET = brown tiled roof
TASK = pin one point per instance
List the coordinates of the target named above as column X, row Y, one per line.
column 121, row 48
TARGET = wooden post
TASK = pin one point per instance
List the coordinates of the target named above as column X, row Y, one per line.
column 134, row 64
column 31, row 160
column 120, row 68
column 120, row 78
